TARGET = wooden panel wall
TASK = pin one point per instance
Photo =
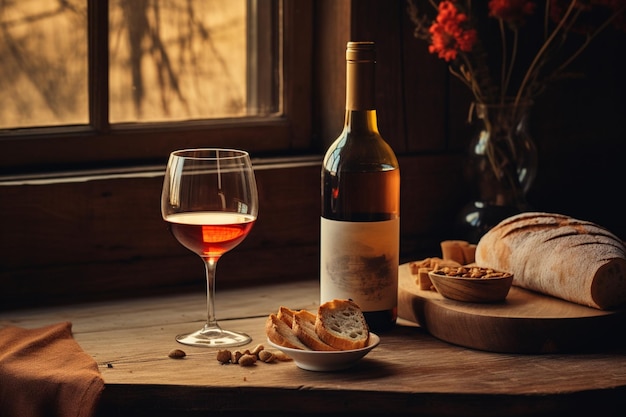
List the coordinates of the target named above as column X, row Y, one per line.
column 86, row 240
column 104, row 238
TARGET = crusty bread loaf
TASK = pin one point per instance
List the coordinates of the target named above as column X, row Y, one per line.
column 304, row 328
column 281, row 334
column 557, row 255
column 341, row 324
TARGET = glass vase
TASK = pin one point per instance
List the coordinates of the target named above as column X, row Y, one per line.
column 501, row 167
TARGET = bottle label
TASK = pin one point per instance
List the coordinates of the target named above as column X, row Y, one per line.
column 359, row 261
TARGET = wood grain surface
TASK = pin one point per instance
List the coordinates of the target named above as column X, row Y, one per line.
column 526, row 322
column 409, row 373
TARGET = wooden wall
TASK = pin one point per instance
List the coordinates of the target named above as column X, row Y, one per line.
column 89, row 239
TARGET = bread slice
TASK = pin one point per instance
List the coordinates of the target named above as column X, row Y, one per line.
column 304, row 328
column 342, row 325
column 286, row 315
column 281, row 334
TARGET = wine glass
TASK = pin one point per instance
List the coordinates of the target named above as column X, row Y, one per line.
column 210, row 201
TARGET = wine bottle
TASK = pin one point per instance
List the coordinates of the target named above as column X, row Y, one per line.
column 360, row 221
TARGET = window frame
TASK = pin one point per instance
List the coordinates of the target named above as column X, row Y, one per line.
column 101, row 145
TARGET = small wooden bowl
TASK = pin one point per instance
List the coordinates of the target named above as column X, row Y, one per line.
column 472, row 290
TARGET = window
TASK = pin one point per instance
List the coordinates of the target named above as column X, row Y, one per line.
column 93, row 83
column 43, row 75
column 178, row 60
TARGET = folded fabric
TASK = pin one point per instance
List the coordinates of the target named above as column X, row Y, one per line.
column 44, row 372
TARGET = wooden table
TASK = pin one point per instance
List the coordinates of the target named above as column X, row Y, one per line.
column 410, row 372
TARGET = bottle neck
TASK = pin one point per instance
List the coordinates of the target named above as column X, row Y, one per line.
column 360, row 91
column 360, row 96
column 361, row 121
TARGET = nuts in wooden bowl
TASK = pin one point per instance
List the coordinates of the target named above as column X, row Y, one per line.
column 472, row 284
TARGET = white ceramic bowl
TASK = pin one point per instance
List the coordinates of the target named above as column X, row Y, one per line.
column 324, row 361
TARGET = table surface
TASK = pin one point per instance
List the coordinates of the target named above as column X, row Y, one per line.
column 410, row 372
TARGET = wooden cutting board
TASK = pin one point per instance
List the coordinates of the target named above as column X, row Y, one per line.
column 526, row 322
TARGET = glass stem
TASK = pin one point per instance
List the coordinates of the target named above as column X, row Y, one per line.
column 210, row 265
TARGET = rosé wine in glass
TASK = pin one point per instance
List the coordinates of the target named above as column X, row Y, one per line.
column 210, row 202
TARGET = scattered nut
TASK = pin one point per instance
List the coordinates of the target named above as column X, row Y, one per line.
column 266, row 356
column 257, row 349
column 282, row 357
column 223, row 356
column 177, row 354
column 235, row 356
column 471, row 272
column 247, row 360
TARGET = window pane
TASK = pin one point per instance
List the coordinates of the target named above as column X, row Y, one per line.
column 177, row 59
column 43, row 69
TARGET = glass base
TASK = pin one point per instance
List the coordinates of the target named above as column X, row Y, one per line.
column 213, row 337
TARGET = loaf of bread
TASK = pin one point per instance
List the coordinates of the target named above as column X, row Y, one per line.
column 558, row 255
column 342, row 325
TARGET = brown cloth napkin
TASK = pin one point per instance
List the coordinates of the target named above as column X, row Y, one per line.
column 44, row 372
